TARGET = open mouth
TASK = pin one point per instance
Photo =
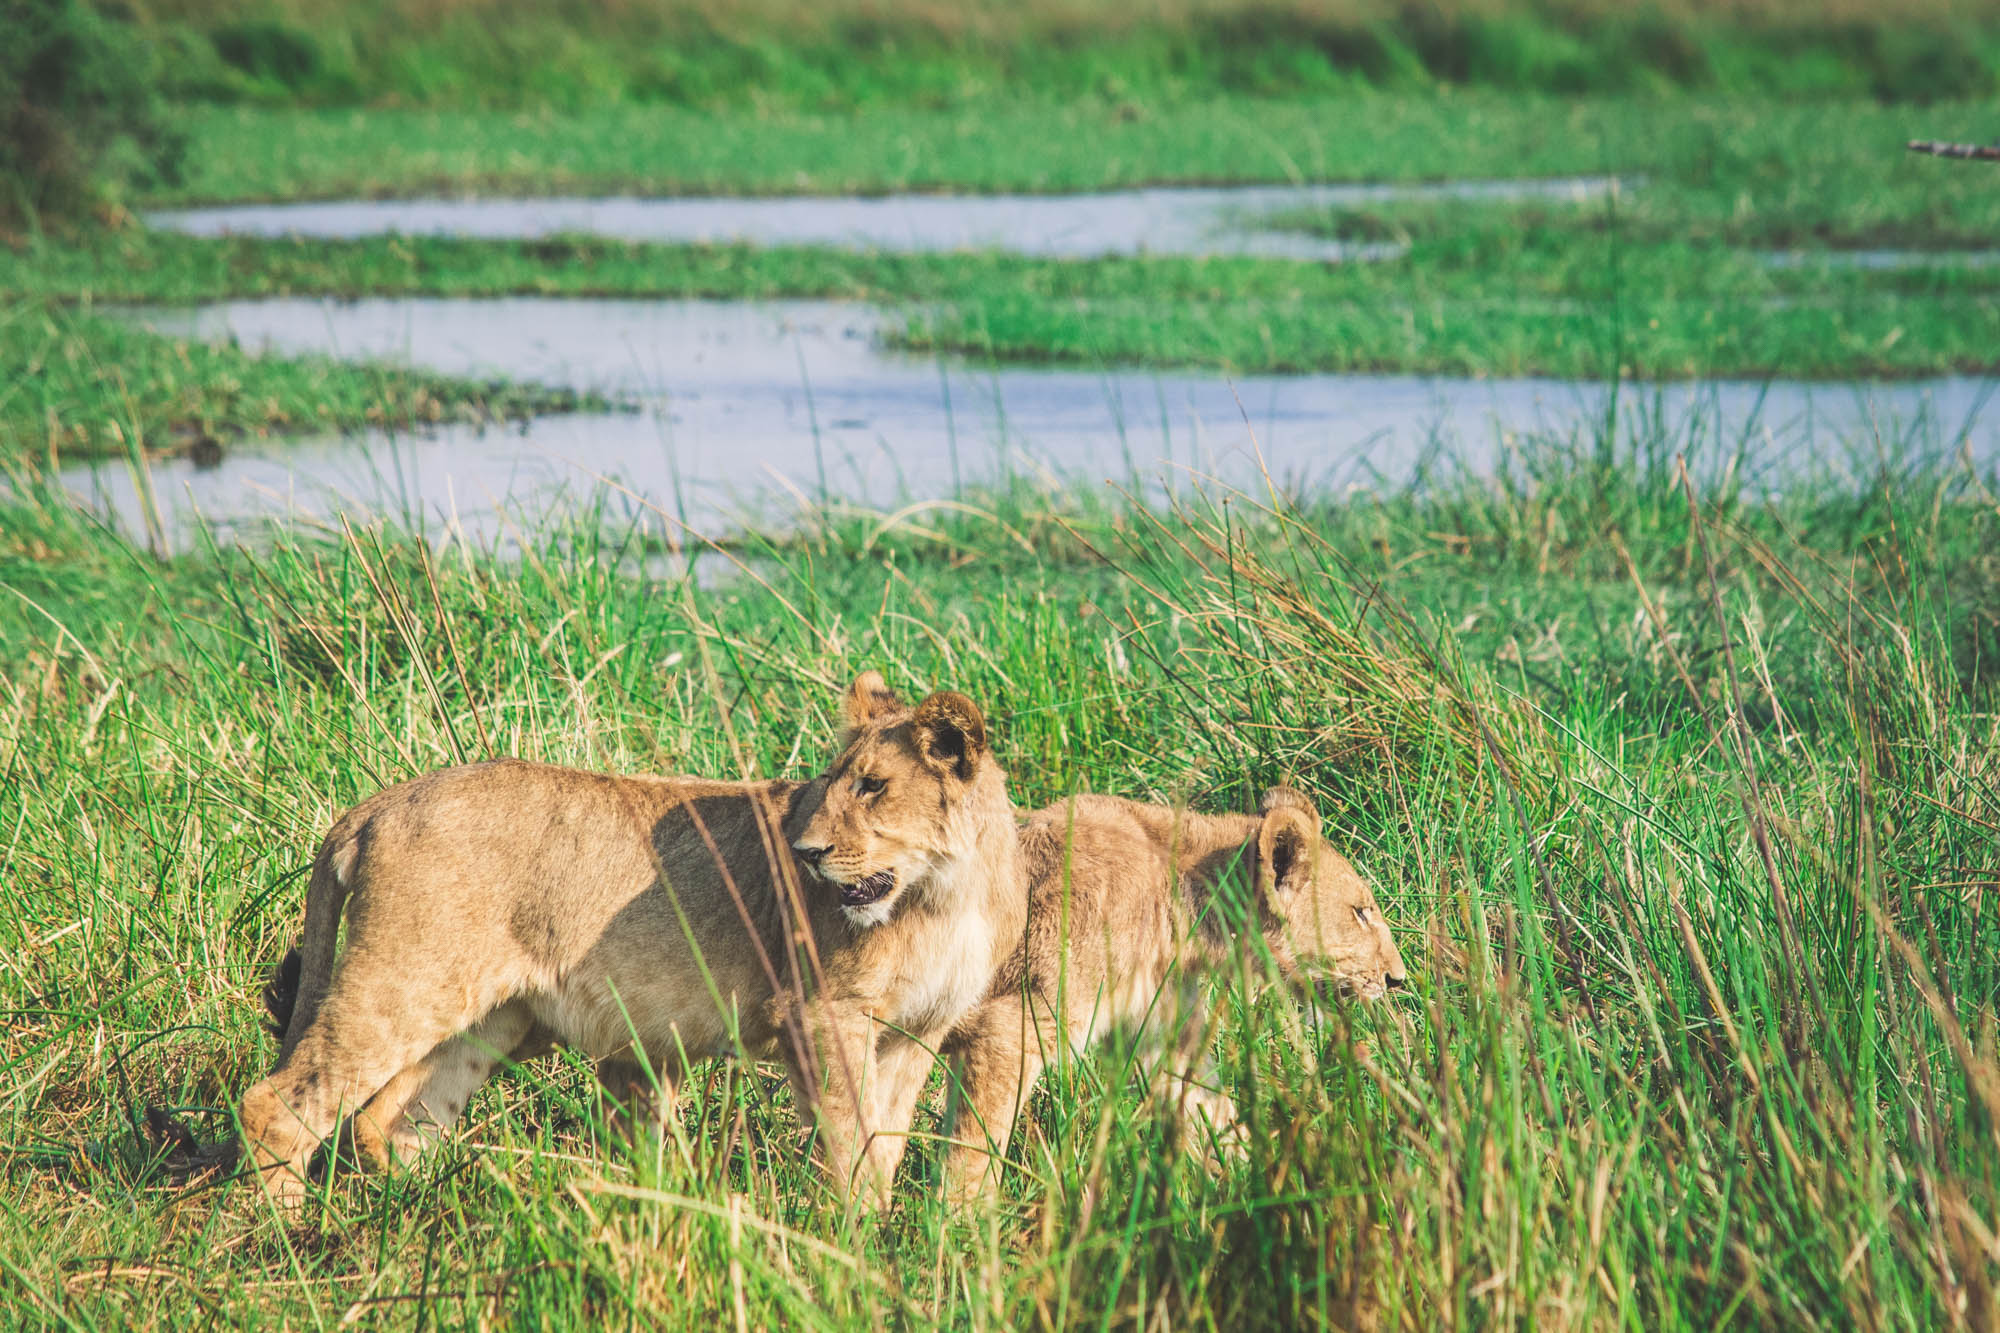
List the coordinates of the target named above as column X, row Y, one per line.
column 870, row 890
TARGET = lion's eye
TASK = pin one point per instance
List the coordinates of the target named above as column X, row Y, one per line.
column 1363, row 914
column 870, row 786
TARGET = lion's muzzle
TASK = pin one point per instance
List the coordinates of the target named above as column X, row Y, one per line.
column 872, row 889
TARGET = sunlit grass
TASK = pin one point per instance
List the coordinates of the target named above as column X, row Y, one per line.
column 1685, row 812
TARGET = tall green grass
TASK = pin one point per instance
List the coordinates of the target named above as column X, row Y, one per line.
column 863, row 52
column 1683, row 800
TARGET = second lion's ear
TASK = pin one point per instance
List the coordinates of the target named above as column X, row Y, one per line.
column 951, row 732
column 1285, row 850
column 869, row 700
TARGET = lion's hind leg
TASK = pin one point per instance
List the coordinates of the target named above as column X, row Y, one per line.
column 421, row 1104
column 376, row 1021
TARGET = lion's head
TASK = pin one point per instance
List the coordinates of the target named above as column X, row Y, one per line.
column 1320, row 918
column 902, row 802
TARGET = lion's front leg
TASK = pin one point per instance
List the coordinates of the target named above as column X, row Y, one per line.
column 1187, row 1081
column 902, row 1066
column 1000, row 1054
column 837, row 1097
column 638, row 1098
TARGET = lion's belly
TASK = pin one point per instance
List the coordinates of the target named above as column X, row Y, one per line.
column 664, row 1017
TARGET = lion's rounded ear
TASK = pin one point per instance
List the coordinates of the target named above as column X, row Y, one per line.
column 1286, row 795
column 951, row 732
column 1285, row 846
column 869, row 699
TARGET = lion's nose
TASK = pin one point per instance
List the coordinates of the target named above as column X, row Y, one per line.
column 812, row 856
column 1395, row 981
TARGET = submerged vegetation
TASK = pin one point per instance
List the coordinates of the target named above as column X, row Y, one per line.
column 1684, row 806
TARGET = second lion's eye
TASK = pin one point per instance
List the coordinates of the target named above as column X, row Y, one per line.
column 869, row 786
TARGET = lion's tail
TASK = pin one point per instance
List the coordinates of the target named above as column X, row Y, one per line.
column 299, row 983
column 281, row 992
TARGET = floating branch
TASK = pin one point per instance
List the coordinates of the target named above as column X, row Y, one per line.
column 1939, row 148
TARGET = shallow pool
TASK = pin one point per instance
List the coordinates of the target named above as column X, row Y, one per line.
column 1167, row 220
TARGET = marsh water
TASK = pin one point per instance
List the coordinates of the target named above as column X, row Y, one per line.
column 1255, row 220
column 740, row 412
column 1161, row 221
column 737, row 412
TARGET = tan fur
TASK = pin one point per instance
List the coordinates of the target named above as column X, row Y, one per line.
column 496, row 908
column 1128, row 903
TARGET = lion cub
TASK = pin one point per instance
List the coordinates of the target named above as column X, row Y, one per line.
column 1125, row 903
column 497, row 907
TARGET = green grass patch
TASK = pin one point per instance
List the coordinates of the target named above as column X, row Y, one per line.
column 1684, row 813
column 1797, row 168
column 90, row 386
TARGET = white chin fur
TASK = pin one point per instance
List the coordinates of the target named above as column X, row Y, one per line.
column 870, row 914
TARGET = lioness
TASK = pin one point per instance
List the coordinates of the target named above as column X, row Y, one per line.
column 495, row 907
column 1127, row 903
